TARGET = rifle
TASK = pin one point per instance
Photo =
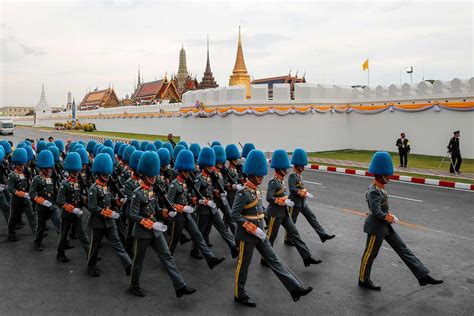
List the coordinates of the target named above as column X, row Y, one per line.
column 225, row 174
column 116, row 187
column 158, row 190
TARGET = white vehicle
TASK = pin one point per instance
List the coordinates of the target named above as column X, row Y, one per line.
column 6, row 127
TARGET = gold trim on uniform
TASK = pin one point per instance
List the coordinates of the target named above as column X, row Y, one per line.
column 237, row 270
column 366, row 257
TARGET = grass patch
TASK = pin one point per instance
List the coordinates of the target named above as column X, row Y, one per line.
column 104, row 134
column 414, row 161
column 416, row 175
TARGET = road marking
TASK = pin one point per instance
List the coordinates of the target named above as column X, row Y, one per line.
column 363, row 214
column 405, row 198
column 312, row 182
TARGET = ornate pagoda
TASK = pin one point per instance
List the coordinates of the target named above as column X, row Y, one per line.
column 183, row 80
column 239, row 74
column 208, row 80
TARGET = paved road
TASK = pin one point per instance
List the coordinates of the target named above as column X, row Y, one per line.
column 437, row 226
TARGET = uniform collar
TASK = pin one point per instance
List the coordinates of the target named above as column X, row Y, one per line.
column 100, row 183
column 279, row 177
column 73, row 179
column 379, row 185
column 250, row 185
column 180, row 179
column 145, row 186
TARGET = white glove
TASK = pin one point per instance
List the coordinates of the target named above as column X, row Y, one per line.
column 234, row 186
column 172, row 213
column 240, row 187
column 159, row 227
column 27, row 195
column 123, row 200
column 260, row 233
column 395, row 219
column 47, row 203
column 309, row 195
column 289, row 203
column 223, row 195
column 115, row 215
column 188, row 209
column 202, row 202
column 77, row 211
column 2, row 187
column 211, row 204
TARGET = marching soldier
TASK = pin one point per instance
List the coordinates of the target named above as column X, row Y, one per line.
column 130, row 185
column 247, row 212
column 232, row 173
column 206, row 209
column 277, row 211
column 298, row 194
column 378, row 226
column 42, row 192
column 179, row 197
column 403, row 145
column 72, row 200
column 102, row 218
column 127, row 153
column 148, row 230
column 18, row 187
column 4, row 196
column 455, row 153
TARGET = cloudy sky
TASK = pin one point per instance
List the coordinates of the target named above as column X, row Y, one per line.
column 79, row 45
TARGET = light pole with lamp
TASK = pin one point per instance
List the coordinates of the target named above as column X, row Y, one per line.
column 409, row 70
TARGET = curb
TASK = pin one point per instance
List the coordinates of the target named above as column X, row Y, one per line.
column 396, row 177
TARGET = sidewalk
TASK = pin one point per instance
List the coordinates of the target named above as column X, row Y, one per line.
column 363, row 165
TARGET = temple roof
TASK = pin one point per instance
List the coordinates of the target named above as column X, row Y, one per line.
column 96, row 97
column 239, row 66
column 149, row 88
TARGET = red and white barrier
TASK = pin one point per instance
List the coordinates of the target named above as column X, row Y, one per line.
column 396, row 177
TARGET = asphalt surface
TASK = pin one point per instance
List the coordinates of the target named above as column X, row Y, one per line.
column 437, row 224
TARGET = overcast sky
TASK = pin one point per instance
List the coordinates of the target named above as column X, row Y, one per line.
column 79, row 45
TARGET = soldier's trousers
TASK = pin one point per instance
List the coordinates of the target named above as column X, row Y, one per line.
column 43, row 216
column 310, row 217
column 5, row 205
column 161, row 248
column 215, row 219
column 17, row 207
column 128, row 237
column 393, row 239
column 225, row 209
column 111, row 234
column 266, row 251
column 174, row 230
column 272, row 232
column 76, row 224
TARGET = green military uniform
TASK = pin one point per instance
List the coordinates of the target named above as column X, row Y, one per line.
column 70, row 195
column 295, row 184
column 100, row 198
column 178, row 195
column 248, row 208
column 144, row 205
column 278, row 215
column 223, row 202
column 378, row 230
column 18, row 182
column 130, row 185
column 4, row 195
column 207, row 215
column 42, row 188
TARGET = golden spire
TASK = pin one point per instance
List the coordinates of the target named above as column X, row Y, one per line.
column 239, row 74
column 239, row 67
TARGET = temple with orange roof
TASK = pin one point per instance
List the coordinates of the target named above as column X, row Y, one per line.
column 99, row 99
column 155, row 92
column 289, row 79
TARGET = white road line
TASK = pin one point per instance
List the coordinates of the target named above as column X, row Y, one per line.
column 405, row 198
column 312, row 182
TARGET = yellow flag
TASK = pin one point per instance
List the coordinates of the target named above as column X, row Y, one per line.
column 365, row 65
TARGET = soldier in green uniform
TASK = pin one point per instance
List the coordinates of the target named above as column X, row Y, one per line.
column 180, row 198
column 378, row 226
column 18, row 187
column 148, row 229
column 298, row 194
column 42, row 192
column 277, row 211
column 130, row 185
column 4, row 196
column 247, row 212
column 206, row 209
column 72, row 199
column 232, row 173
column 102, row 218
column 126, row 173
